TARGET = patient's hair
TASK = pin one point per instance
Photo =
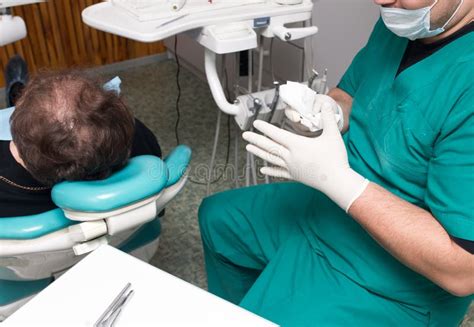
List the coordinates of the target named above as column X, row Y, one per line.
column 67, row 127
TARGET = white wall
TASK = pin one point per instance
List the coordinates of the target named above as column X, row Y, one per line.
column 344, row 27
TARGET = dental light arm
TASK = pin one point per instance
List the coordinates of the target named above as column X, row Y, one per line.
column 234, row 38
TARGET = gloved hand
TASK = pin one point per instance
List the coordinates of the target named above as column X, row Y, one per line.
column 304, row 112
column 320, row 162
column 299, row 123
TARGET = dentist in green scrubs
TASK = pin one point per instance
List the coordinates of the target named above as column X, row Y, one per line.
column 377, row 228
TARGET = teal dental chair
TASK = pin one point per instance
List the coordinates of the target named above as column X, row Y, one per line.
column 120, row 210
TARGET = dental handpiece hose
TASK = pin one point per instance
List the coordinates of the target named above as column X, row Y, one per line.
column 312, row 78
column 276, row 97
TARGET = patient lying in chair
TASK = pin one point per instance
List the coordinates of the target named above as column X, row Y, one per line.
column 66, row 126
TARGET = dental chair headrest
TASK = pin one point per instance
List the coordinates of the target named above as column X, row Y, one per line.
column 142, row 177
column 177, row 162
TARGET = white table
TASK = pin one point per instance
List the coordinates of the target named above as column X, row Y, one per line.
column 80, row 296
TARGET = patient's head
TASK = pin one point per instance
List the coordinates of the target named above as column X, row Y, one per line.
column 67, row 127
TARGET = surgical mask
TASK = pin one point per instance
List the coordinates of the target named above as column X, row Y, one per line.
column 413, row 23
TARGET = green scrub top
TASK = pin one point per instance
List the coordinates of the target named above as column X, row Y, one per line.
column 413, row 134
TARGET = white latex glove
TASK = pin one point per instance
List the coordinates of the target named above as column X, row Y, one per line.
column 305, row 105
column 320, row 162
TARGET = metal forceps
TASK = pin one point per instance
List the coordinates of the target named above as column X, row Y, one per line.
column 111, row 314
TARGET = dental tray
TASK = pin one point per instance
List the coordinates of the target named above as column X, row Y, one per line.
column 143, row 20
column 145, row 10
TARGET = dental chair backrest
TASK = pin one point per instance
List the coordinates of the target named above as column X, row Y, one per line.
column 120, row 210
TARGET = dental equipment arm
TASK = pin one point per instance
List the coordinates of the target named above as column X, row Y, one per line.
column 290, row 34
column 344, row 100
column 215, row 84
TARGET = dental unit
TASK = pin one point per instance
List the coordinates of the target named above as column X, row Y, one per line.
column 221, row 27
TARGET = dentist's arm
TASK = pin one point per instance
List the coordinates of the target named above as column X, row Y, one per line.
column 345, row 102
column 415, row 237
column 411, row 234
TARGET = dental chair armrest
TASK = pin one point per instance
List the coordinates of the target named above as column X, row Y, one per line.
column 62, row 239
column 34, row 226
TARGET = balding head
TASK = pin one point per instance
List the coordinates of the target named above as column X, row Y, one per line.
column 67, row 127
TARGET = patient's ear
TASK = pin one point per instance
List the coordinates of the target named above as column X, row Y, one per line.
column 15, row 154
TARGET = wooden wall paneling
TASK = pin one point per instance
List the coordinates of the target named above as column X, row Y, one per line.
column 10, row 50
column 131, row 49
column 115, row 47
column 76, row 14
column 71, row 32
column 33, row 41
column 94, row 37
column 158, row 47
column 57, row 38
column 102, row 47
column 86, row 32
column 3, row 63
column 56, row 33
column 62, row 31
column 38, row 23
column 2, row 78
column 19, row 49
column 45, row 16
column 122, row 49
column 143, row 49
column 109, row 48
column 95, row 45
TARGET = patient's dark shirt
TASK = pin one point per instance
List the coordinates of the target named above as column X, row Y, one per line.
column 22, row 195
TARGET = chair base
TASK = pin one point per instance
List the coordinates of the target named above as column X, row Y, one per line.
column 143, row 245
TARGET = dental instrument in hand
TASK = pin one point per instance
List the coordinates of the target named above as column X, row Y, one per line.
column 276, row 97
column 305, row 106
column 312, row 78
column 110, row 315
column 324, row 82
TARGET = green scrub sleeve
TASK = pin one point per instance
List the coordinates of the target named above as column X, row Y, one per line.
column 450, row 185
column 351, row 80
column 360, row 66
